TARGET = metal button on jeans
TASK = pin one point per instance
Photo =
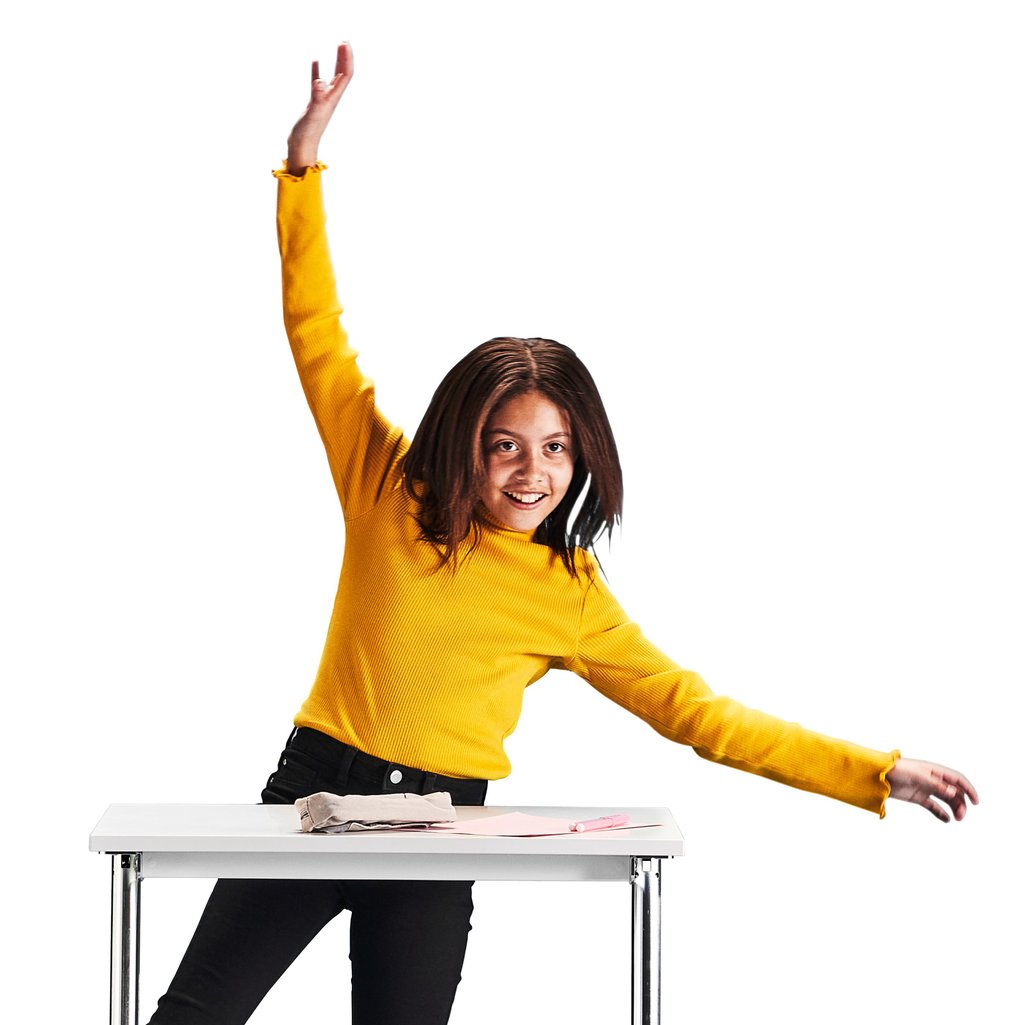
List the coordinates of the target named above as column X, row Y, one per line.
column 395, row 776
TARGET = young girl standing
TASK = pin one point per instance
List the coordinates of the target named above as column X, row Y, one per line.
column 467, row 575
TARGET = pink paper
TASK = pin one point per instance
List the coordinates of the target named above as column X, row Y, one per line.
column 516, row 823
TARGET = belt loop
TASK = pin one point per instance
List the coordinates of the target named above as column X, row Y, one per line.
column 430, row 783
column 345, row 764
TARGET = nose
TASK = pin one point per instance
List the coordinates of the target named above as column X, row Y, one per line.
column 530, row 468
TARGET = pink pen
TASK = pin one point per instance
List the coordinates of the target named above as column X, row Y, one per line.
column 605, row 822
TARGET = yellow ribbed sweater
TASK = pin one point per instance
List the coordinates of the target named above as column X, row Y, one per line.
column 428, row 668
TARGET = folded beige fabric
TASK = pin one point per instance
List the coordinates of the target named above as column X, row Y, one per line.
column 341, row 813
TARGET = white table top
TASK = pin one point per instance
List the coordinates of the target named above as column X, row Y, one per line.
column 240, row 828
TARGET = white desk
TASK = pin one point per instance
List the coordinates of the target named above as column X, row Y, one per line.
column 258, row 841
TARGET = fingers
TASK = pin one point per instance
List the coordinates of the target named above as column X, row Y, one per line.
column 953, row 788
column 343, row 62
column 937, row 809
column 950, row 796
column 343, row 72
column 961, row 784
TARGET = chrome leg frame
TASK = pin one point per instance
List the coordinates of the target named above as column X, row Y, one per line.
column 124, row 940
column 646, row 882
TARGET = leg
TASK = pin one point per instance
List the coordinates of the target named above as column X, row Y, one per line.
column 250, row 932
column 646, row 881
column 407, row 945
column 124, row 939
column 251, row 929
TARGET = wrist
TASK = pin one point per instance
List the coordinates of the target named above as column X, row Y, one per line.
column 299, row 158
column 303, row 143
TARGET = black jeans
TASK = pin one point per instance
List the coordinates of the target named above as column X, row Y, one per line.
column 407, row 939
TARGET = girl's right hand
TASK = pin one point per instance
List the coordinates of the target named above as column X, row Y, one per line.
column 324, row 96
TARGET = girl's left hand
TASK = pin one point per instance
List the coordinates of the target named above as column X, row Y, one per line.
column 928, row 784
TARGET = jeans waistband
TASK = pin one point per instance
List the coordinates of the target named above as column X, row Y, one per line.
column 392, row 777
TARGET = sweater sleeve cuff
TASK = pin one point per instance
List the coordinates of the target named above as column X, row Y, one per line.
column 283, row 174
column 885, row 783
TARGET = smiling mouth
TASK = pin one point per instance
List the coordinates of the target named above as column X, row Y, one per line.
column 524, row 497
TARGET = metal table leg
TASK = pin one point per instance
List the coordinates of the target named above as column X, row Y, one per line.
column 646, row 883
column 124, row 939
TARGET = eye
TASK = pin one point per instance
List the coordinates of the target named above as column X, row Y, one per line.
column 556, row 447
column 506, row 446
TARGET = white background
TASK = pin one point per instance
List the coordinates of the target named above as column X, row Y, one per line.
column 787, row 239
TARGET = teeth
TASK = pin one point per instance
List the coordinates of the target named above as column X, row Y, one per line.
column 528, row 498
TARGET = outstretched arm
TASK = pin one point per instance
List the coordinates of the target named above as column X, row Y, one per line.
column 617, row 660
column 927, row 784
column 324, row 96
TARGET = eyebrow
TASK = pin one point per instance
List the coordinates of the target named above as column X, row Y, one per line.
column 513, row 434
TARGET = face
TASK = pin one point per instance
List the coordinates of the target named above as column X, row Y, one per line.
column 528, row 453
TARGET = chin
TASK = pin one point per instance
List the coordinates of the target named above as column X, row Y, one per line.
column 511, row 514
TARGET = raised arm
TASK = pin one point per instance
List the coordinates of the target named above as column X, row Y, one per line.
column 364, row 450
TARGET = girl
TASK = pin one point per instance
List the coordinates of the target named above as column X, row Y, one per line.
column 467, row 575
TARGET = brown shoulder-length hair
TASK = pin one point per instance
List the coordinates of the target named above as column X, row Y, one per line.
column 445, row 470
